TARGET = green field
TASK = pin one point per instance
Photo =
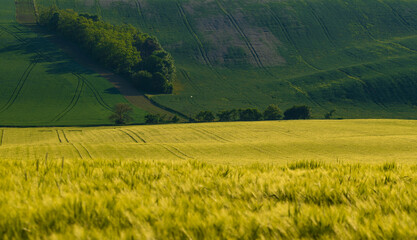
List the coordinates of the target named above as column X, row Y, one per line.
column 348, row 179
column 357, row 57
column 41, row 85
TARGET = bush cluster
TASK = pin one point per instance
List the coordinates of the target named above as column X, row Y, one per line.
column 272, row 112
column 124, row 49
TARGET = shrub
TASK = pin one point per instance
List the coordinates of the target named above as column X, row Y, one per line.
column 298, row 112
column 272, row 112
column 204, row 116
column 329, row 115
column 154, row 119
column 250, row 114
column 174, row 119
column 228, row 115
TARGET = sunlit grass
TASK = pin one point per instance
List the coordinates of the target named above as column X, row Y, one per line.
column 105, row 199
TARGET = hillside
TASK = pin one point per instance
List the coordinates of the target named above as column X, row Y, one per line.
column 357, row 57
column 41, row 84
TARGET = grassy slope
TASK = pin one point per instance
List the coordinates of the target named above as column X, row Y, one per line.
column 353, row 141
column 174, row 181
column 357, row 57
column 41, row 85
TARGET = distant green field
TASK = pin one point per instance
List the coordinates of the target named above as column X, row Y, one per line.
column 41, row 85
column 357, row 57
column 348, row 179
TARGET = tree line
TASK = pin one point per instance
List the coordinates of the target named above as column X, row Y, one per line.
column 272, row 112
column 123, row 49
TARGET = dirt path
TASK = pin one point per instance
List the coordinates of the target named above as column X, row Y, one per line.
column 26, row 15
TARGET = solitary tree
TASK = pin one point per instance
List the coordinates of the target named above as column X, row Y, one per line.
column 272, row 112
column 298, row 112
column 121, row 113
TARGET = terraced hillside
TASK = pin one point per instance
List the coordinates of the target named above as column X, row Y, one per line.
column 357, row 57
column 41, row 84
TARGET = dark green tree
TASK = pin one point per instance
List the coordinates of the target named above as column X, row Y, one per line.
column 154, row 119
column 204, row 116
column 272, row 112
column 121, row 113
column 250, row 114
column 298, row 112
column 228, row 115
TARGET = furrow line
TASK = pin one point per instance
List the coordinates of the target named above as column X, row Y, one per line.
column 187, row 77
column 65, row 136
column 173, row 153
column 88, row 152
column 2, row 136
column 211, row 135
column 130, row 136
column 409, row 27
column 96, row 94
column 323, row 27
column 289, row 38
column 242, row 34
column 137, row 135
column 180, row 152
column 59, row 138
column 140, row 12
column 19, row 87
column 78, row 151
column 75, row 98
column 193, row 33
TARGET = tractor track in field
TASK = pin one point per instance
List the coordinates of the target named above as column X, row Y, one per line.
column 86, row 150
column 287, row 35
column 323, row 27
column 65, row 136
column 133, row 135
column 59, row 137
column 205, row 57
column 78, row 151
column 190, row 29
column 409, row 27
column 44, row 56
column 130, row 136
column 289, row 38
column 19, row 87
column 2, row 136
column 191, row 82
column 76, row 97
column 245, row 38
column 176, row 152
column 212, row 135
column 137, row 135
column 140, row 12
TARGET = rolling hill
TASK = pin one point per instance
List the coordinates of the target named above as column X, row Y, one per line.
column 357, row 57
column 41, row 84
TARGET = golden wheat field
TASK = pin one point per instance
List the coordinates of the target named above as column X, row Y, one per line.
column 348, row 179
column 367, row 141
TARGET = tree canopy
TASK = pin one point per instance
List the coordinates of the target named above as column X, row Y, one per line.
column 123, row 49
